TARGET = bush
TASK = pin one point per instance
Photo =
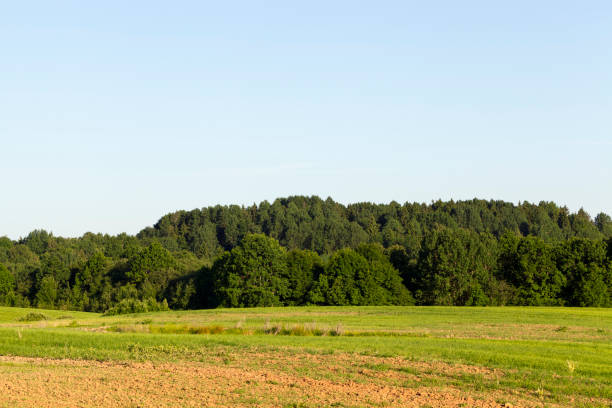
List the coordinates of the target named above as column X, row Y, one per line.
column 127, row 306
column 33, row 317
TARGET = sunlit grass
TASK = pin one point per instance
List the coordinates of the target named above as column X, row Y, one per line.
column 555, row 353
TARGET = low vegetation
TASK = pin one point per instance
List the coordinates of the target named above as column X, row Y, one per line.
column 521, row 356
column 127, row 306
column 32, row 317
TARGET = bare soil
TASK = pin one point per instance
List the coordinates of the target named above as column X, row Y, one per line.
column 260, row 380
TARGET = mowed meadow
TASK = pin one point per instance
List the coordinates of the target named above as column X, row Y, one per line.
column 309, row 357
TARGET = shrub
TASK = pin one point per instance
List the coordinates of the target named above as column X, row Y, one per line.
column 127, row 306
column 33, row 317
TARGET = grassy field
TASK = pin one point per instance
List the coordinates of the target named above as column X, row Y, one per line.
column 309, row 356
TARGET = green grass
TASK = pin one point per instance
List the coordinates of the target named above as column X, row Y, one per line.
column 10, row 315
column 548, row 353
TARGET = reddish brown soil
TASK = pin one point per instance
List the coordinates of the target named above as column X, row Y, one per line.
column 35, row 382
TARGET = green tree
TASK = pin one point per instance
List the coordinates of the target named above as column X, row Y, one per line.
column 55, row 263
column 7, row 286
column 390, row 289
column 204, row 241
column 181, row 294
column 252, row 273
column 38, row 241
column 155, row 259
column 302, row 267
column 88, row 283
column 5, row 245
column 603, row 222
column 454, row 267
column 528, row 264
column 89, row 278
column 47, row 294
column 359, row 277
column 592, row 286
column 405, row 265
column 587, row 271
column 346, row 281
column 392, row 233
column 583, row 226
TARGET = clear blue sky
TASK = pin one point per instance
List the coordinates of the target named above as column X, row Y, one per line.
column 114, row 113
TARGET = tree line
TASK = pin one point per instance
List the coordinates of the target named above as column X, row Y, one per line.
column 304, row 250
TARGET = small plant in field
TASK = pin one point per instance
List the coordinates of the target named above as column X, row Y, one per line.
column 73, row 323
column 272, row 329
column 214, row 329
column 33, row 317
column 540, row 392
column 297, row 330
column 239, row 323
column 337, row 331
column 571, row 366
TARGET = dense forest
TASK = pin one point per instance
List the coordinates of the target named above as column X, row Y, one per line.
column 305, row 250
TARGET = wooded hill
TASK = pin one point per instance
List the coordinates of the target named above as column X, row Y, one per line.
column 305, row 250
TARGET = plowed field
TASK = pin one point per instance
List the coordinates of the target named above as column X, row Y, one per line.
column 309, row 357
